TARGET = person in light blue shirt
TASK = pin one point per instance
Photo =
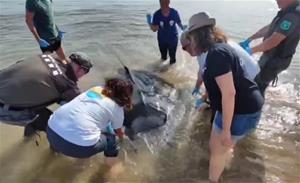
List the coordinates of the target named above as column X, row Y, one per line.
column 164, row 22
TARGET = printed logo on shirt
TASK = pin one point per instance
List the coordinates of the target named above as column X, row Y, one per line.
column 161, row 23
column 285, row 25
column 171, row 22
column 95, row 93
column 52, row 65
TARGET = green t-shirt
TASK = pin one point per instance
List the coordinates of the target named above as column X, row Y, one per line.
column 43, row 18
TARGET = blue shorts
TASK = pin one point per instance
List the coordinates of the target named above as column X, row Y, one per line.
column 242, row 124
column 107, row 144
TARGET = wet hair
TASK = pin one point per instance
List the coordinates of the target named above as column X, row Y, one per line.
column 206, row 36
column 119, row 91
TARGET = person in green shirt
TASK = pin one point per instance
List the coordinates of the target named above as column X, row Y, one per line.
column 280, row 40
column 40, row 21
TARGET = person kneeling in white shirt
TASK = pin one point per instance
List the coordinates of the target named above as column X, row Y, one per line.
column 79, row 128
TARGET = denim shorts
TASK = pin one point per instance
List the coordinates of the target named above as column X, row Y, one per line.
column 107, row 144
column 19, row 118
column 242, row 124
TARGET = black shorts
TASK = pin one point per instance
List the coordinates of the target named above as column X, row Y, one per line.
column 53, row 46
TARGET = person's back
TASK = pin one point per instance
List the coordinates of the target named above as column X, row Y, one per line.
column 80, row 128
column 29, row 86
column 82, row 120
column 28, row 83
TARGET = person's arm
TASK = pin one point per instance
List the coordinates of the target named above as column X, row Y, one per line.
column 178, row 21
column 196, row 90
column 180, row 25
column 154, row 28
column 30, row 24
column 204, row 97
column 273, row 41
column 199, row 80
column 155, row 23
column 120, row 133
column 226, row 85
column 259, row 34
column 117, row 120
column 284, row 28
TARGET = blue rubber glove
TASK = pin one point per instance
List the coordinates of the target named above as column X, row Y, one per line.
column 110, row 129
column 149, row 18
column 196, row 91
column 245, row 44
column 61, row 34
column 43, row 43
column 199, row 102
column 248, row 50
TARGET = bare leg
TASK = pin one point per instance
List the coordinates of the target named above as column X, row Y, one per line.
column 219, row 154
column 61, row 54
column 116, row 167
column 111, row 161
column 229, row 157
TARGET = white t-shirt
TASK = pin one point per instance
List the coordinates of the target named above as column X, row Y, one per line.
column 82, row 120
column 247, row 61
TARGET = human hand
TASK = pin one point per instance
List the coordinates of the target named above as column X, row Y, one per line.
column 200, row 105
column 43, row 43
column 196, row 91
column 248, row 50
column 110, row 129
column 244, row 44
column 61, row 34
column 149, row 18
